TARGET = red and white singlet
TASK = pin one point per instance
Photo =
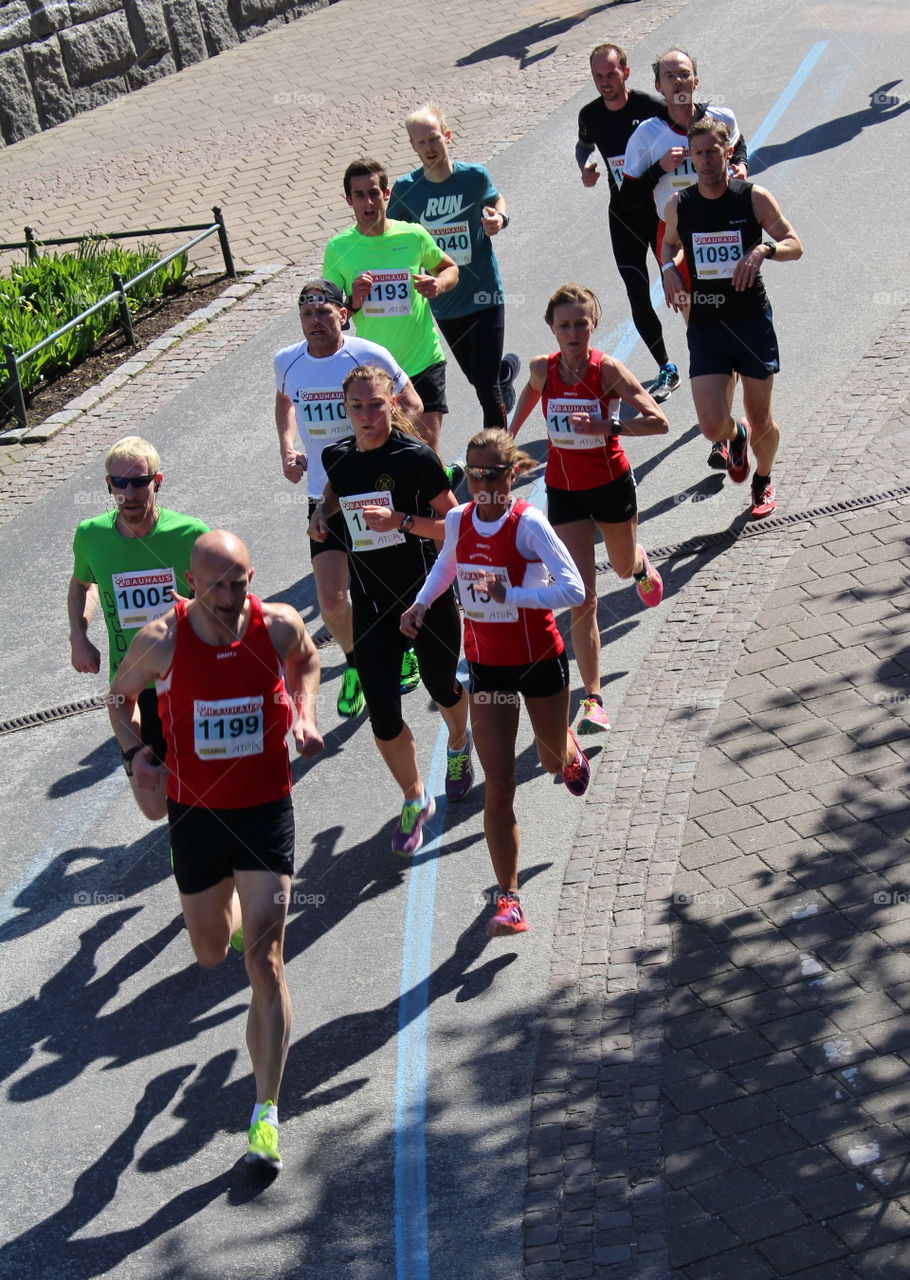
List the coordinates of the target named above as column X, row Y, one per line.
column 499, row 635
column 576, row 461
column 225, row 713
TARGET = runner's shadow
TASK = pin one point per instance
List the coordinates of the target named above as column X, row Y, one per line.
column 51, row 1242
column 114, row 875
column 645, row 468
column 883, row 106
column 518, row 45
column 100, row 763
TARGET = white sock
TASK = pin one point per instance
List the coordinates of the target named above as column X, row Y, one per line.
column 271, row 1115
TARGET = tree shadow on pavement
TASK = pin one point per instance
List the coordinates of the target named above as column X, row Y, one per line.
column 786, row 1041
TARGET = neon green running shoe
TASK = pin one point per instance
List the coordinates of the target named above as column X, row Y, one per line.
column 237, row 939
column 350, row 697
column 263, row 1142
column 410, row 672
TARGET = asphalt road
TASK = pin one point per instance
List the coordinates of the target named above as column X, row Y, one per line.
column 127, row 1085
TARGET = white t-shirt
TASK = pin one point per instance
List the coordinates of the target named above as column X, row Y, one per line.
column 314, row 385
column 653, row 139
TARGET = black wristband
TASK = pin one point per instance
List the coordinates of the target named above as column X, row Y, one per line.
column 505, row 221
column 772, row 248
column 127, row 757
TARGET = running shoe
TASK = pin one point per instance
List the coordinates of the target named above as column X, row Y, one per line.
column 717, row 458
column 408, row 836
column 665, row 383
column 508, row 918
column 577, row 775
column 459, row 771
column 650, row 588
column 738, row 454
column 263, row 1141
column 237, row 939
column 410, row 671
column 593, row 717
column 764, row 501
column 350, row 696
column 455, row 473
column 508, row 372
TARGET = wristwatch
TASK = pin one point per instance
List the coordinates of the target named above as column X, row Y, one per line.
column 407, row 524
column 127, row 757
column 772, row 248
column 505, row 221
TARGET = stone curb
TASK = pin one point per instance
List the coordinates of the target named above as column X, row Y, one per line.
column 41, row 432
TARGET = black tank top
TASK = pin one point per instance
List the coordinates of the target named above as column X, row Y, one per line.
column 715, row 235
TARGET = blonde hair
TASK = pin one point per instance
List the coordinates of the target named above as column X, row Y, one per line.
column 504, row 443
column 134, row 449
column 430, row 111
column 574, row 293
column 373, row 373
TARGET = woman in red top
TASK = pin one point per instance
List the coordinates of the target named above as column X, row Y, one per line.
column 512, row 571
column 590, row 484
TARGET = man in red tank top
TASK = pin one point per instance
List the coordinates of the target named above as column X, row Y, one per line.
column 233, row 676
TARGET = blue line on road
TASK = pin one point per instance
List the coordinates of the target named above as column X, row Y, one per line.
column 412, row 1257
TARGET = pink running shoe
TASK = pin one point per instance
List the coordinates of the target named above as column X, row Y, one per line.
column 577, row 775
column 594, row 718
column 764, row 501
column 650, row 588
column 509, row 918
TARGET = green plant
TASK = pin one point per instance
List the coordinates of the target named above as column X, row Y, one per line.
column 37, row 298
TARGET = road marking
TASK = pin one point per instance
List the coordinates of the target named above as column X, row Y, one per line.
column 412, row 1259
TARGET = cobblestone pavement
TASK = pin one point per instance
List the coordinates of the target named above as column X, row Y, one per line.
column 265, row 129
column 721, row 1085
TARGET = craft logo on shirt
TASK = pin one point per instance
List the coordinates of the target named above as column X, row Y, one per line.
column 443, row 207
column 228, row 653
column 386, row 483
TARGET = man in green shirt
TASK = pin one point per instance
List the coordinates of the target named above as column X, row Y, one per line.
column 134, row 559
column 389, row 270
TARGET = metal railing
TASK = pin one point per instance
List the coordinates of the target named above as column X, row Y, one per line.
column 13, row 391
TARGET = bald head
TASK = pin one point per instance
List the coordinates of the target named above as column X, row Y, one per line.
column 219, row 551
column 219, row 573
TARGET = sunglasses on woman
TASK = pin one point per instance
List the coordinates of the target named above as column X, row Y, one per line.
column 488, row 473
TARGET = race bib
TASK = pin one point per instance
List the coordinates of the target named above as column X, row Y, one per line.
column 683, row 176
column 227, row 728
column 321, row 412
column 616, row 164
column 390, row 294
column 362, row 537
column 143, row 594
column 716, row 253
column 560, row 431
column 455, row 240
column 476, row 601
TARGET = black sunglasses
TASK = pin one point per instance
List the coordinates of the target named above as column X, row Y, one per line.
column 488, row 473
column 124, row 482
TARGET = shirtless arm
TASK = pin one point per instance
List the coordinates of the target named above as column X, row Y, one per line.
column 300, row 660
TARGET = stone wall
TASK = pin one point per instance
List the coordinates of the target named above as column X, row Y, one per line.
column 67, row 56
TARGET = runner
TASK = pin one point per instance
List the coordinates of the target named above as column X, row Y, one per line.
column 392, row 492
column 503, row 553
column 388, row 272
column 607, row 123
column 719, row 224
column 224, row 664
column 133, row 558
column 308, row 400
column 658, row 145
column 590, row 484
column 460, row 207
